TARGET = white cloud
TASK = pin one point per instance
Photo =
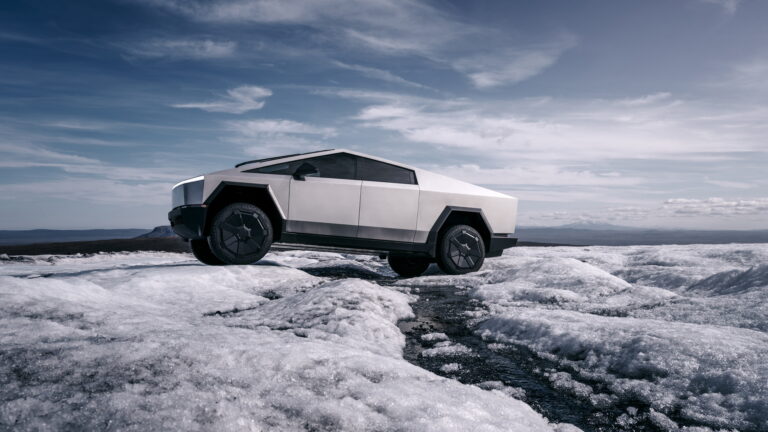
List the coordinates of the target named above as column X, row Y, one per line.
column 393, row 27
column 576, row 130
column 265, row 127
column 511, row 66
column 647, row 99
column 239, row 100
column 716, row 206
column 536, row 174
column 379, row 74
column 38, row 153
column 268, row 136
column 182, row 49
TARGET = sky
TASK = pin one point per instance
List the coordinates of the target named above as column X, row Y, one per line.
column 647, row 114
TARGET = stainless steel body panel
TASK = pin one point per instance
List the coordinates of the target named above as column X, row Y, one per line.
column 388, row 211
column 324, row 200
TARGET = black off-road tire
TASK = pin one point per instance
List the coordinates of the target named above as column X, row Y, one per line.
column 460, row 250
column 241, row 233
column 202, row 251
column 408, row 266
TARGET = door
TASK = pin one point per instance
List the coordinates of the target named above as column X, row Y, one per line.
column 328, row 202
column 389, row 201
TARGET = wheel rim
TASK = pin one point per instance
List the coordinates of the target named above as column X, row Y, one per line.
column 242, row 233
column 464, row 249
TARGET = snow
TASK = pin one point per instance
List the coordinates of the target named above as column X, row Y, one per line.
column 681, row 329
column 147, row 341
column 674, row 336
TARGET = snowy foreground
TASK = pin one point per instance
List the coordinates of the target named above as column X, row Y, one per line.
column 141, row 341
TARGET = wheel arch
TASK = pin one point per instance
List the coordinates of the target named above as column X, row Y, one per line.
column 452, row 216
column 259, row 195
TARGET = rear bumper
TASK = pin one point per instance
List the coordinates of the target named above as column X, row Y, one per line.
column 189, row 221
column 499, row 243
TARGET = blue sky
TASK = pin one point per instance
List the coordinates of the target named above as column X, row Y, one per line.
column 645, row 113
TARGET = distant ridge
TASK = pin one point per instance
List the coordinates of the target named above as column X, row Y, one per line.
column 578, row 234
column 159, row 232
column 19, row 237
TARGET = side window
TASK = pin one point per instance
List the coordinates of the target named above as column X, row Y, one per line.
column 285, row 168
column 339, row 165
column 371, row 170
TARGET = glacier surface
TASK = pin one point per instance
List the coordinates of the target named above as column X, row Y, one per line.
column 675, row 335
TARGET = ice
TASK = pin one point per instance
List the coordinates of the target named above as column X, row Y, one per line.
column 430, row 337
column 672, row 336
column 119, row 342
column 450, row 368
column 446, row 348
column 680, row 328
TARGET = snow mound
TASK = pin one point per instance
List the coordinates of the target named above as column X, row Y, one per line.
column 561, row 273
column 712, row 375
column 350, row 312
column 732, row 282
column 121, row 342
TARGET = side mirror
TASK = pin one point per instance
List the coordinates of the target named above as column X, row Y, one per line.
column 305, row 169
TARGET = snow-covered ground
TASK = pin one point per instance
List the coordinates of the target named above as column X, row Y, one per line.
column 148, row 341
column 670, row 332
column 673, row 335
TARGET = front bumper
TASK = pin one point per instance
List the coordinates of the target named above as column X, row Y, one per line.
column 189, row 221
column 499, row 243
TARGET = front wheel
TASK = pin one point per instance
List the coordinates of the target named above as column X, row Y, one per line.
column 241, row 233
column 407, row 266
column 202, row 251
column 460, row 250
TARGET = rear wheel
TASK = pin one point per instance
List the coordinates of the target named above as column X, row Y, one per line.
column 202, row 251
column 407, row 266
column 240, row 234
column 460, row 250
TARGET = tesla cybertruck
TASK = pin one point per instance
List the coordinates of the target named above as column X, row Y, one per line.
column 344, row 201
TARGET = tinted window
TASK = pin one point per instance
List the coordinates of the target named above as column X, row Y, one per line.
column 371, row 170
column 286, row 168
column 339, row 165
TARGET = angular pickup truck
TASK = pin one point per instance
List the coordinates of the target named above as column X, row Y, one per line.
column 343, row 200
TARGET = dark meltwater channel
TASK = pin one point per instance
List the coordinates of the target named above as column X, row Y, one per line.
column 443, row 309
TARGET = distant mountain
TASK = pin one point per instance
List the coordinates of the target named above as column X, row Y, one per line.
column 159, row 232
column 18, row 237
column 624, row 236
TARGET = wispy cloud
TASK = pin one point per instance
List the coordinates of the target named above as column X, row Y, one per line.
column 728, row 6
column 750, row 75
column 511, row 66
column 238, row 100
column 716, row 206
column 90, row 190
column 394, row 27
column 579, row 130
column 538, row 174
column 182, row 49
column 264, row 136
column 379, row 74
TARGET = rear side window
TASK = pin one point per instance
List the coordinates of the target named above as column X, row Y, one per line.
column 339, row 165
column 371, row 170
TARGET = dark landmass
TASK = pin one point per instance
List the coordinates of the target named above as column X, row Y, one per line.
column 162, row 238
column 635, row 236
column 165, row 244
column 159, row 231
column 19, row 237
